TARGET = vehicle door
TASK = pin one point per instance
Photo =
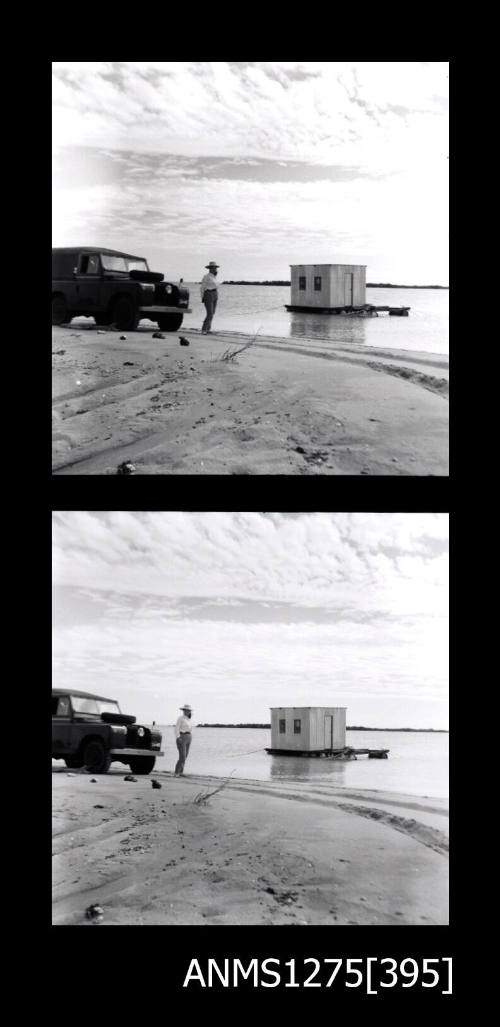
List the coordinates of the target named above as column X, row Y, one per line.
column 61, row 724
column 88, row 282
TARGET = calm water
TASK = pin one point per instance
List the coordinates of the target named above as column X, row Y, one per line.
column 417, row 763
column 252, row 308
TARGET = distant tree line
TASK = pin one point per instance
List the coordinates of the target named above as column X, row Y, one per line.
column 369, row 285
column 233, row 725
column 276, row 282
column 353, row 727
column 390, row 285
column 425, row 730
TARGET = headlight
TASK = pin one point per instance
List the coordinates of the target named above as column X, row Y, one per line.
column 141, row 732
column 169, row 289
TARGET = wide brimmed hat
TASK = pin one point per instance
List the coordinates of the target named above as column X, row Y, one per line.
column 186, row 707
column 212, row 264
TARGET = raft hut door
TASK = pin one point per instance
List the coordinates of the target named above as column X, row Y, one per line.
column 348, row 289
column 328, row 731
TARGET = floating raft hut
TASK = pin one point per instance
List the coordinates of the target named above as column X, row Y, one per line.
column 334, row 289
column 318, row 731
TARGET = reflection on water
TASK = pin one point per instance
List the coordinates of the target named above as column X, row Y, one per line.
column 336, row 328
column 303, row 768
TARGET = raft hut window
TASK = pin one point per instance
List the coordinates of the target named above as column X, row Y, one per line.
column 302, row 282
column 296, row 727
column 317, row 283
column 282, row 727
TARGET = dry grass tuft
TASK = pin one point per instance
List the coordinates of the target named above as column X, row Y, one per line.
column 231, row 354
column 202, row 798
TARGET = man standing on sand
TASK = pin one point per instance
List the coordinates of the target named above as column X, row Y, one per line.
column 183, row 738
column 208, row 290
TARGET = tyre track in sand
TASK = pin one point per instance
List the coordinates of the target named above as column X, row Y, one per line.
column 112, row 393
column 439, row 386
column 420, row 832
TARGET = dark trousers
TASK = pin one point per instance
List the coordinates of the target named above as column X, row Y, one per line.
column 210, row 301
column 183, row 743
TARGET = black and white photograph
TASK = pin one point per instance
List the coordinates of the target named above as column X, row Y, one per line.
column 252, row 706
column 250, row 719
column 296, row 213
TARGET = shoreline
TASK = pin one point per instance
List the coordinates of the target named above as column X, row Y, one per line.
column 201, row 850
column 386, row 795
column 420, row 356
column 277, row 407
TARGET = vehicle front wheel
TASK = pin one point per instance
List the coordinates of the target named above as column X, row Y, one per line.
column 142, row 764
column 95, row 757
column 125, row 315
column 60, row 314
column 73, row 761
column 170, row 322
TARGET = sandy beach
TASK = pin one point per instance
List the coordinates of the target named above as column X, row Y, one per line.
column 265, row 853
column 282, row 406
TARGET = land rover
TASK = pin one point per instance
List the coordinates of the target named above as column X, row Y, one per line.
column 115, row 288
column 91, row 731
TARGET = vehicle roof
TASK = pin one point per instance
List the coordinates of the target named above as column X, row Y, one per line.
column 95, row 249
column 83, row 695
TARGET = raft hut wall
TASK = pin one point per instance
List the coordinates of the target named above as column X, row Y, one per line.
column 308, row 728
column 328, row 285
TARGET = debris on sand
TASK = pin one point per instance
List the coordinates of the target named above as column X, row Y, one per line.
column 155, row 784
column 183, row 342
column 129, row 777
column 158, row 335
column 58, row 352
column 285, row 898
column 95, row 914
column 128, row 363
column 125, row 468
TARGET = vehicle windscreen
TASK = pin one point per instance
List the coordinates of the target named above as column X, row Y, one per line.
column 108, row 707
column 97, row 706
column 110, row 263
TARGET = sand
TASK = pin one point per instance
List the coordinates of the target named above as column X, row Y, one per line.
column 282, row 406
column 260, row 853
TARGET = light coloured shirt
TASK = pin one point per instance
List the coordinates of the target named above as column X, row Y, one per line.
column 183, row 724
column 208, row 282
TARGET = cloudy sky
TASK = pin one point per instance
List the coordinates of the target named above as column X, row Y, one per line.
column 256, row 165
column 237, row 612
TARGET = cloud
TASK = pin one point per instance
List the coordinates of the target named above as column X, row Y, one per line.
column 314, row 160
column 315, row 558
column 248, row 667
column 326, row 218
column 241, row 611
column 318, row 111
